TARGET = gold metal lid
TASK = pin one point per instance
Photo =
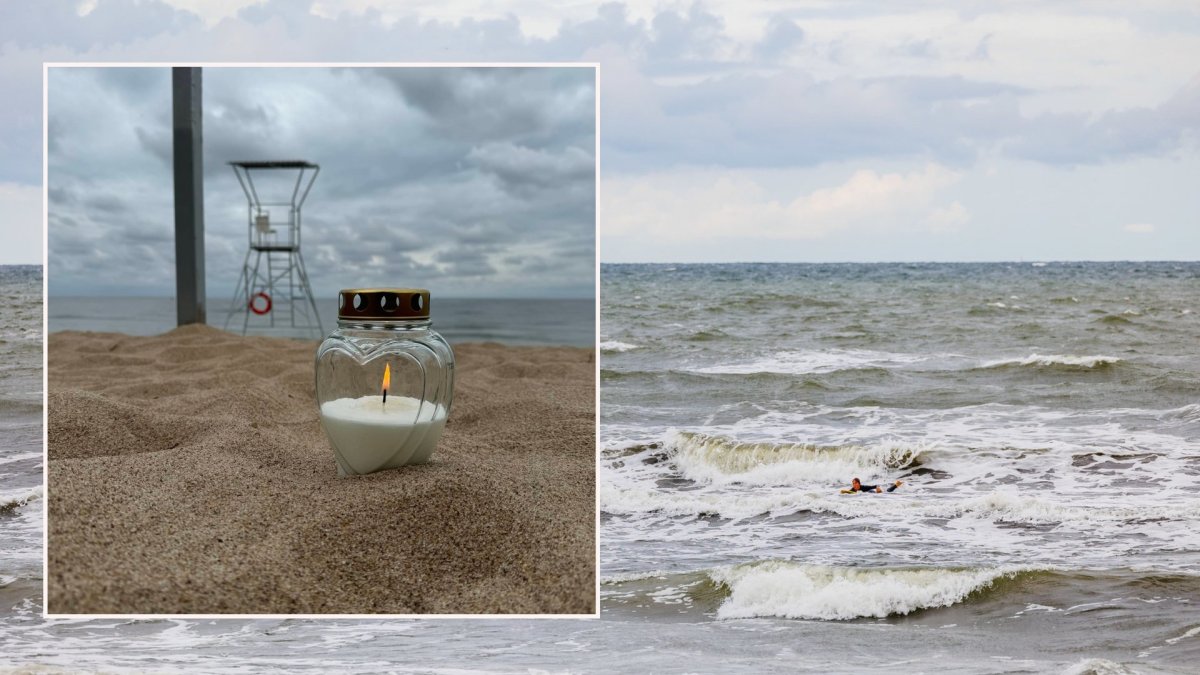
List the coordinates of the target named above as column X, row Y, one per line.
column 383, row 303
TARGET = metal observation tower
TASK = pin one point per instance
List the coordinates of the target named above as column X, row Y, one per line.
column 273, row 290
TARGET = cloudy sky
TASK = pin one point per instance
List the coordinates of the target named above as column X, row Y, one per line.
column 758, row 130
column 475, row 182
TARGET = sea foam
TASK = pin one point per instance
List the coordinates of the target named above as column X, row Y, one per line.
column 616, row 346
column 816, row 361
column 720, row 460
column 797, row 591
column 10, row 505
column 1056, row 360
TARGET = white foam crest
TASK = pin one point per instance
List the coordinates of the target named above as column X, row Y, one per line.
column 816, row 361
column 1187, row 413
column 1091, row 361
column 610, row 579
column 630, row 501
column 719, row 460
column 1097, row 667
column 796, row 591
column 616, row 346
column 962, row 432
column 1190, row 633
column 35, row 493
column 20, row 457
column 1009, row 507
column 22, row 498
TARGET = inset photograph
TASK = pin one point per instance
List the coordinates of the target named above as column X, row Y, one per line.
column 321, row 340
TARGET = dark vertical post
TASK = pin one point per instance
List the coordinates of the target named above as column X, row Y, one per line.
column 189, row 196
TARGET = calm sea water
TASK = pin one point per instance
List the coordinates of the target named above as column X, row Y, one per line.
column 1044, row 417
column 569, row 322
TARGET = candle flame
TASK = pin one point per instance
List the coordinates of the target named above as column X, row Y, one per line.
column 387, row 377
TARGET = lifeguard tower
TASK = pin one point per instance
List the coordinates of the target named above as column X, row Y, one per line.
column 273, row 290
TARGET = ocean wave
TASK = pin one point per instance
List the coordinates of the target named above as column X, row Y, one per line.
column 777, row 301
column 1187, row 413
column 995, row 507
column 626, row 577
column 786, row 588
column 29, row 404
column 616, row 346
column 1097, row 667
column 720, row 460
column 816, row 361
column 708, row 335
column 797, row 591
column 1057, row 361
column 10, row 506
column 1007, row 507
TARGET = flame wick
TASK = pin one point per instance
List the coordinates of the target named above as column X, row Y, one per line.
column 387, row 381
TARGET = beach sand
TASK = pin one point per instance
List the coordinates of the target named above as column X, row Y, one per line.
column 188, row 474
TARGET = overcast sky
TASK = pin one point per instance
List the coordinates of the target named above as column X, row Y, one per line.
column 472, row 181
column 761, row 130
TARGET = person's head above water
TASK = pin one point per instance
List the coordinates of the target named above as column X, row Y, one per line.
column 855, row 482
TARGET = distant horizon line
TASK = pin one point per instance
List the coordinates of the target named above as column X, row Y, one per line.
column 826, row 262
column 894, row 262
column 229, row 299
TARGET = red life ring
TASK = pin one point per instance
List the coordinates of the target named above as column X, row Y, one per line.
column 254, row 308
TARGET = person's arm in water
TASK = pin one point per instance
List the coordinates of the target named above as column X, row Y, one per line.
column 871, row 488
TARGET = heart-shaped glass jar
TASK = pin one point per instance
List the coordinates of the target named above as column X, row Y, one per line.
column 385, row 380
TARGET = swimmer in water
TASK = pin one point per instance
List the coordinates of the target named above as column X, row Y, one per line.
column 857, row 486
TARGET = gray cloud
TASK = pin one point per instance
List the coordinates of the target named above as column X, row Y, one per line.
column 61, row 23
column 782, row 36
column 678, row 89
column 757, row 109
column 1116, row 134
column 405, row 194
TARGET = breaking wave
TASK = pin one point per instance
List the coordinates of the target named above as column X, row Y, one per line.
column 11, row 506
column 616, row 346
column 1057, row 362
column 796, row 591
column 817, row 361
column 720, row 460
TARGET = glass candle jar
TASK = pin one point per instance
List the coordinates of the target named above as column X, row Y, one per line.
column 385, row 380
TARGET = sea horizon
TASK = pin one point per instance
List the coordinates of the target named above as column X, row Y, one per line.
column 511, row 321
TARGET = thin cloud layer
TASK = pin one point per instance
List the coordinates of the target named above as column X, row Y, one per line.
column 730, row 204
column 478, row 182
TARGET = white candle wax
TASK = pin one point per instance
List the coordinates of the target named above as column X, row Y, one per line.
column 370, row 436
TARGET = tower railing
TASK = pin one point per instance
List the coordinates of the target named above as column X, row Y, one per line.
column 276, row 282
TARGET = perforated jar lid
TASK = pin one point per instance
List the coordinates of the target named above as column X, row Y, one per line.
column 383, row 303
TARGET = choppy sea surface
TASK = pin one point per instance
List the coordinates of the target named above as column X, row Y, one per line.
column 20, row 445
column 513, row 321
column 1044, row 417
